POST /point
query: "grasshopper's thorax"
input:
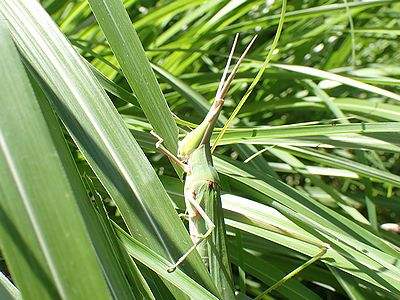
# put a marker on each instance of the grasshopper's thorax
(201, 176)
(202, 186)
(201, 166)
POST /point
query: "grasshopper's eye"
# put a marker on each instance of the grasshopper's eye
(180, 149)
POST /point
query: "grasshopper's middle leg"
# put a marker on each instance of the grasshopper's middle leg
(197, 208)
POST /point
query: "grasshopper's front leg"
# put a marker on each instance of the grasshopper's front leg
(164, 150)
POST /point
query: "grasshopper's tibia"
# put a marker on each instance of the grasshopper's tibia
(201, 238)
(164, 150)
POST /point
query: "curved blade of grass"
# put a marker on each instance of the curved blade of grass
(339, 78)
(41, 220)
(8, 291)
(157, 263)
(124, 41)
(336, 161)
(101, 135)
(256, 79)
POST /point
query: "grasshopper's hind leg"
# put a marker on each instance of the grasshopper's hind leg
(197, 207)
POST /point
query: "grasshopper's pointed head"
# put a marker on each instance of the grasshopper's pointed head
(191, 141)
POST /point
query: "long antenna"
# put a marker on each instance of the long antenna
(222, 92)
(228, 63)
(256, 80)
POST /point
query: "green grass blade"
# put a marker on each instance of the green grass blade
(220, 268)
(320, 218)
(155, 262)
(40, 226)
(255, 265)
(114, 89)
(101, 135)
(349, 284)
(125, 43)
(256, 79)
(136, 280)
(375, 136)
(114, 273)
(334, 160)
(8, 291)
(370, 109)
(339, 78)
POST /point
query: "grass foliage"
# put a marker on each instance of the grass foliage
(89, 209)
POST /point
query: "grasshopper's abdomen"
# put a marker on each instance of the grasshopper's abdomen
(202, 189)
(198, 192)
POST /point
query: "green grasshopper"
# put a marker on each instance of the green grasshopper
(202, 196)
(202, 191)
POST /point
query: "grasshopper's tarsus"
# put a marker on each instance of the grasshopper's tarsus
(184, 216)
(171, 269)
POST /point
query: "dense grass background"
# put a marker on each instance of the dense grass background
(311, 158)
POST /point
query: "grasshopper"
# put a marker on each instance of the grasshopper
(202, 190)
(202, 195)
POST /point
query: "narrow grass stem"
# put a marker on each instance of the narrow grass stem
(256, 80)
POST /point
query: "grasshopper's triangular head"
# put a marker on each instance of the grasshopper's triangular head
(191, 141)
